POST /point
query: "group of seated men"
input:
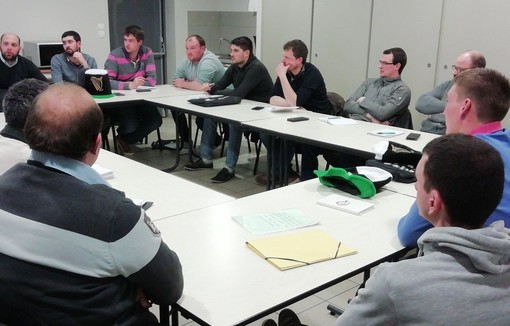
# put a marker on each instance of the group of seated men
(462, 197)
(128, 67)
(383, 100)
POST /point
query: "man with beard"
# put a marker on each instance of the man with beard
(13, 66)
(70, 66)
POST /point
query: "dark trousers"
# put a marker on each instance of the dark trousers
(180, 118)
(309, 161)
(136, 122)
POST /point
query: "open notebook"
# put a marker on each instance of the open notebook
(299, 249)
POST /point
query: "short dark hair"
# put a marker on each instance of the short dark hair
(399, 56)
(244, 43)
(19, 98)
(199, 39)
(74, 34)
(469, 175)
(136, 31)
(62, 129)
(298, 47)
(488, 89)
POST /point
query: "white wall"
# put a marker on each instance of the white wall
(213, 25)
(177, 23)
(36, 20)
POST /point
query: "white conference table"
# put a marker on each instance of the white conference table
(236, 113)
(132, 95)
(402, 188)
(228, 284)
(348, 138)
(170, 194)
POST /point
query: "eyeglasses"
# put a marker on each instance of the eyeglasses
(459, 69)
(385, 63)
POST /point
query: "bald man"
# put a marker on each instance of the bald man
(13, 66)
(92, 256)
(433, 103)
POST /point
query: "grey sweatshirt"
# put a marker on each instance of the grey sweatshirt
(432, 104)
(462, 277)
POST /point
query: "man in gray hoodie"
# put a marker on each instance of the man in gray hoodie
(462, 272)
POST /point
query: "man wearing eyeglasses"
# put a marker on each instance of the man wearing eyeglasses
(384, 100)
(434, 102)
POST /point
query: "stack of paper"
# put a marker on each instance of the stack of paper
(107, 174)
(265, 223)
(338, 121)
(299, 249)
(346, 204)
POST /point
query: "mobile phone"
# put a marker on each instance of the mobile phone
(296, 119)
(147, 205)
(257, 108)
(413, 136)
(143, 90)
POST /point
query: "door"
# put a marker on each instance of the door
(340, 42)
(413, 25)
(149, 15)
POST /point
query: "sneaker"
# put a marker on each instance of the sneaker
(261, 179)
(269, 322)
(293, 177)
(287, 317)
(197, 165)
(173, 145)
(124, 147)
(223, 176)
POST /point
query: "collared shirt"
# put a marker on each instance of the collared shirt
(75, 168)
(487, 128)
(9, 64)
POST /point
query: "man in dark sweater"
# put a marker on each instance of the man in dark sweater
(251, 81)
(301, 84)
(74, 251)
(13, 66)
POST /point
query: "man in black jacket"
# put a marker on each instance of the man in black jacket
(251, 81)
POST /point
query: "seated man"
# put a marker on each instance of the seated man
(477, 102)
(129, 67)
(299, 83)
(199, 67)
(17, 102)
(251, 81)
(460, 181)
(70, 66)
(13, 66)
(385, 99)
(433, 103)
(73, 250)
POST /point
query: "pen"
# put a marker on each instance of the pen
(385, 133)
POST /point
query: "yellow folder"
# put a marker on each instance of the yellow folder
(299, 249)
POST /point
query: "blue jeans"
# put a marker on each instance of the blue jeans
(209, 136)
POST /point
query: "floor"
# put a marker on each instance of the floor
(312, 310)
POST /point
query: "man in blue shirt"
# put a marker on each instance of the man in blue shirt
(477, 102)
